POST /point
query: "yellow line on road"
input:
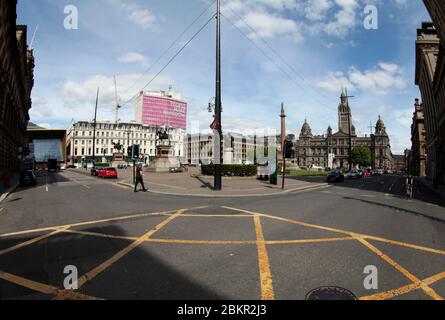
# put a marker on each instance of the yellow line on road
(402, 270)
(405, 289)
(105, 265)
(408, 245)
(352, 234)
(309, 241)
(44, 288)
(101, 235)
(72, 295)
(210, 242)
(294, 222)
(186, 215)
(129, 217)
(267, 292)
(33, 285)
(29, 242)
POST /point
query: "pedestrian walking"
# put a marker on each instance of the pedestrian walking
(409, 186)
(139, 179)
(6, 176)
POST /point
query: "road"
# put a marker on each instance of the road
(150, 246)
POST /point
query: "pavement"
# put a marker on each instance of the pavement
(4, 192)
(155, 246)
(192, 184)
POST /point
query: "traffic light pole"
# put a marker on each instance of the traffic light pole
(218, 142)
(284, 170)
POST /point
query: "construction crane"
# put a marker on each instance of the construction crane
(117, 101)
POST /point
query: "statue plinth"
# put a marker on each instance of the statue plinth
(164, 161)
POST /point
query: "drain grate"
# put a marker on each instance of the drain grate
(330, 293)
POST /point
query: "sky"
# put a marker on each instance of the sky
(299, 52)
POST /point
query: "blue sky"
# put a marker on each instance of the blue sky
(323, 41)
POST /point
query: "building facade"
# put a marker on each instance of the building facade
(45, 144)
(399, 163)
(417, 155)
(238, 149)
(16, 82)
(430, 77)
(331, 150)
(158, 108)
(108, 135)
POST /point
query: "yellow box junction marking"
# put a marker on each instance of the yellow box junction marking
(361, 238)
(44, 288)
(105, 265)
(267, 292)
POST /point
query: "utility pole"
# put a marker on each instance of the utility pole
(94, 128)
(350, 127)
(218, 142)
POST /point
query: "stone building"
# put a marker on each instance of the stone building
(80, 141)
(399, 163)
(417, 156)
(331, 150)
(238, 149)
(430, 77)
(16, 82)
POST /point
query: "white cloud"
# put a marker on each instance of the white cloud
(334, 81)
(378, 81)
(140, 16)
(270, 25)
(134, 57)
(79, 96)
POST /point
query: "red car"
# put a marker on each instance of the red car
(107, 173)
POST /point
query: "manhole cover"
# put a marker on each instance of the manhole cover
(330, 293)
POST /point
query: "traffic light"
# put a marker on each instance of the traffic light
(136, 151)
(129, 152)
(289, 149)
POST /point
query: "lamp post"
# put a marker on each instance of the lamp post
(94, 128)
(217, 123)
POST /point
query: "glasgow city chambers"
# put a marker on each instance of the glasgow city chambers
(331, 150)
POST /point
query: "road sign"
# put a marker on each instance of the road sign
(141, 156)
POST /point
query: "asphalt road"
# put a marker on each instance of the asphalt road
(150, 246)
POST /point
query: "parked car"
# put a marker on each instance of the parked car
(107, 173)
(335, 176)
(27, 178)
(95, 171)
(367, 173)
(354, 174)
(70, 166)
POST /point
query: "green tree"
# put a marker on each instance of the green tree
(361, 156)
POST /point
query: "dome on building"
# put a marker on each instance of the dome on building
(306, 129)
(380, 128)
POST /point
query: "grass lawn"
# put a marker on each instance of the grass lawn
(307, 173)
